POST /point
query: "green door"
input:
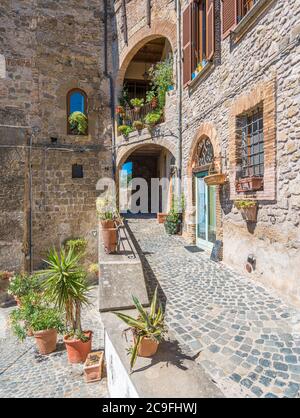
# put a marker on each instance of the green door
(205, 212)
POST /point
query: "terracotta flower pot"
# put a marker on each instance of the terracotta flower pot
(46, 340)
(110, 236)
(93, 367)
(148, 347)
(161, 217)
(17, 301)
(77, 350)
(154, 103)
(137, 109)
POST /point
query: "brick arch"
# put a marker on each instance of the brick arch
(158, 29)
(127, 150)
(206, 130)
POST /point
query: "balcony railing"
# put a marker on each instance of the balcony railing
(132, 115)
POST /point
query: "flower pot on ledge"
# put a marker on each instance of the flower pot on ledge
(249, 184)
(161, 217)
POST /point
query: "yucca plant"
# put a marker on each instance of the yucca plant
(147, 324)
(65, 285)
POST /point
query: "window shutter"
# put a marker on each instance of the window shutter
(210, 28)
(195, 34)
(187, 44)
(229, 16)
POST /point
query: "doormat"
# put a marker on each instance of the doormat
(194, 249)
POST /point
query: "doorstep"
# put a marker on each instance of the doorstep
(169, 374)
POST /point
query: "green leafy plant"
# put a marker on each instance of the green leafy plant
(137, 102)
(34, 315)
(161, 75)
(78, 123)
(147, 324)
(154, 117)
(79, 244)
(241, 204)
(150, 95)
(20, 285)
(125, 130)
(65, 285)
(138, 125)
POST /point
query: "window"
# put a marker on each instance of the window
(252, 144)
(198, 36)
(244, 6)
(233, 12)
(77, 171)
(76, 102)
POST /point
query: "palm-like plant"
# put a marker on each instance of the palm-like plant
(66, 286)
(148, 324)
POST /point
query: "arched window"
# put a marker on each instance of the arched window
(77, 102)
(205, 153)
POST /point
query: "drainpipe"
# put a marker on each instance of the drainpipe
(179, 96)
(112, 88)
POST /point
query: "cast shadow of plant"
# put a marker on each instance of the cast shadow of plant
(169, 353)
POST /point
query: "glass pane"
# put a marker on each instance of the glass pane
(77, 102)
(201, 209)
(212, 223)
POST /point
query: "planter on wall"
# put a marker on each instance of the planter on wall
(215, 179)
(249, 184)
(249, 213)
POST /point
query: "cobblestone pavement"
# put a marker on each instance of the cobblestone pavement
(24, 373)
(245, 336)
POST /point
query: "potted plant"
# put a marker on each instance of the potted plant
(249, 184)
(161, 75)
(125, 130)
(109, 228)
(37, 319)
(153, 118)
(20, 285)
(137, 104)
(148, 329)
(248, 209)
(66, 287)
(151, 98)
(138, 125)
(79, 244)
(161, 217)
(173, 222)
(93, 367)
(78, 123)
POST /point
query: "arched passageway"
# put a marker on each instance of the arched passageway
(146, 179)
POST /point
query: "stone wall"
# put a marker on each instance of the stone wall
(50, 48)
(269, 51)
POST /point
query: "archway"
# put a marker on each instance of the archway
(150, 167)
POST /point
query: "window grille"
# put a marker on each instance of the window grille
(252, 144)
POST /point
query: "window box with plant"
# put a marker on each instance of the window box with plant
(148, 329)
(78, 123)
(248, 209)
(249, 184)
(69, 296)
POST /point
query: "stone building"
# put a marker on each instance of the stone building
(52, 57)
(236, 75)
(233, 111)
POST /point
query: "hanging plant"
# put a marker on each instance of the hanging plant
(78, 123)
